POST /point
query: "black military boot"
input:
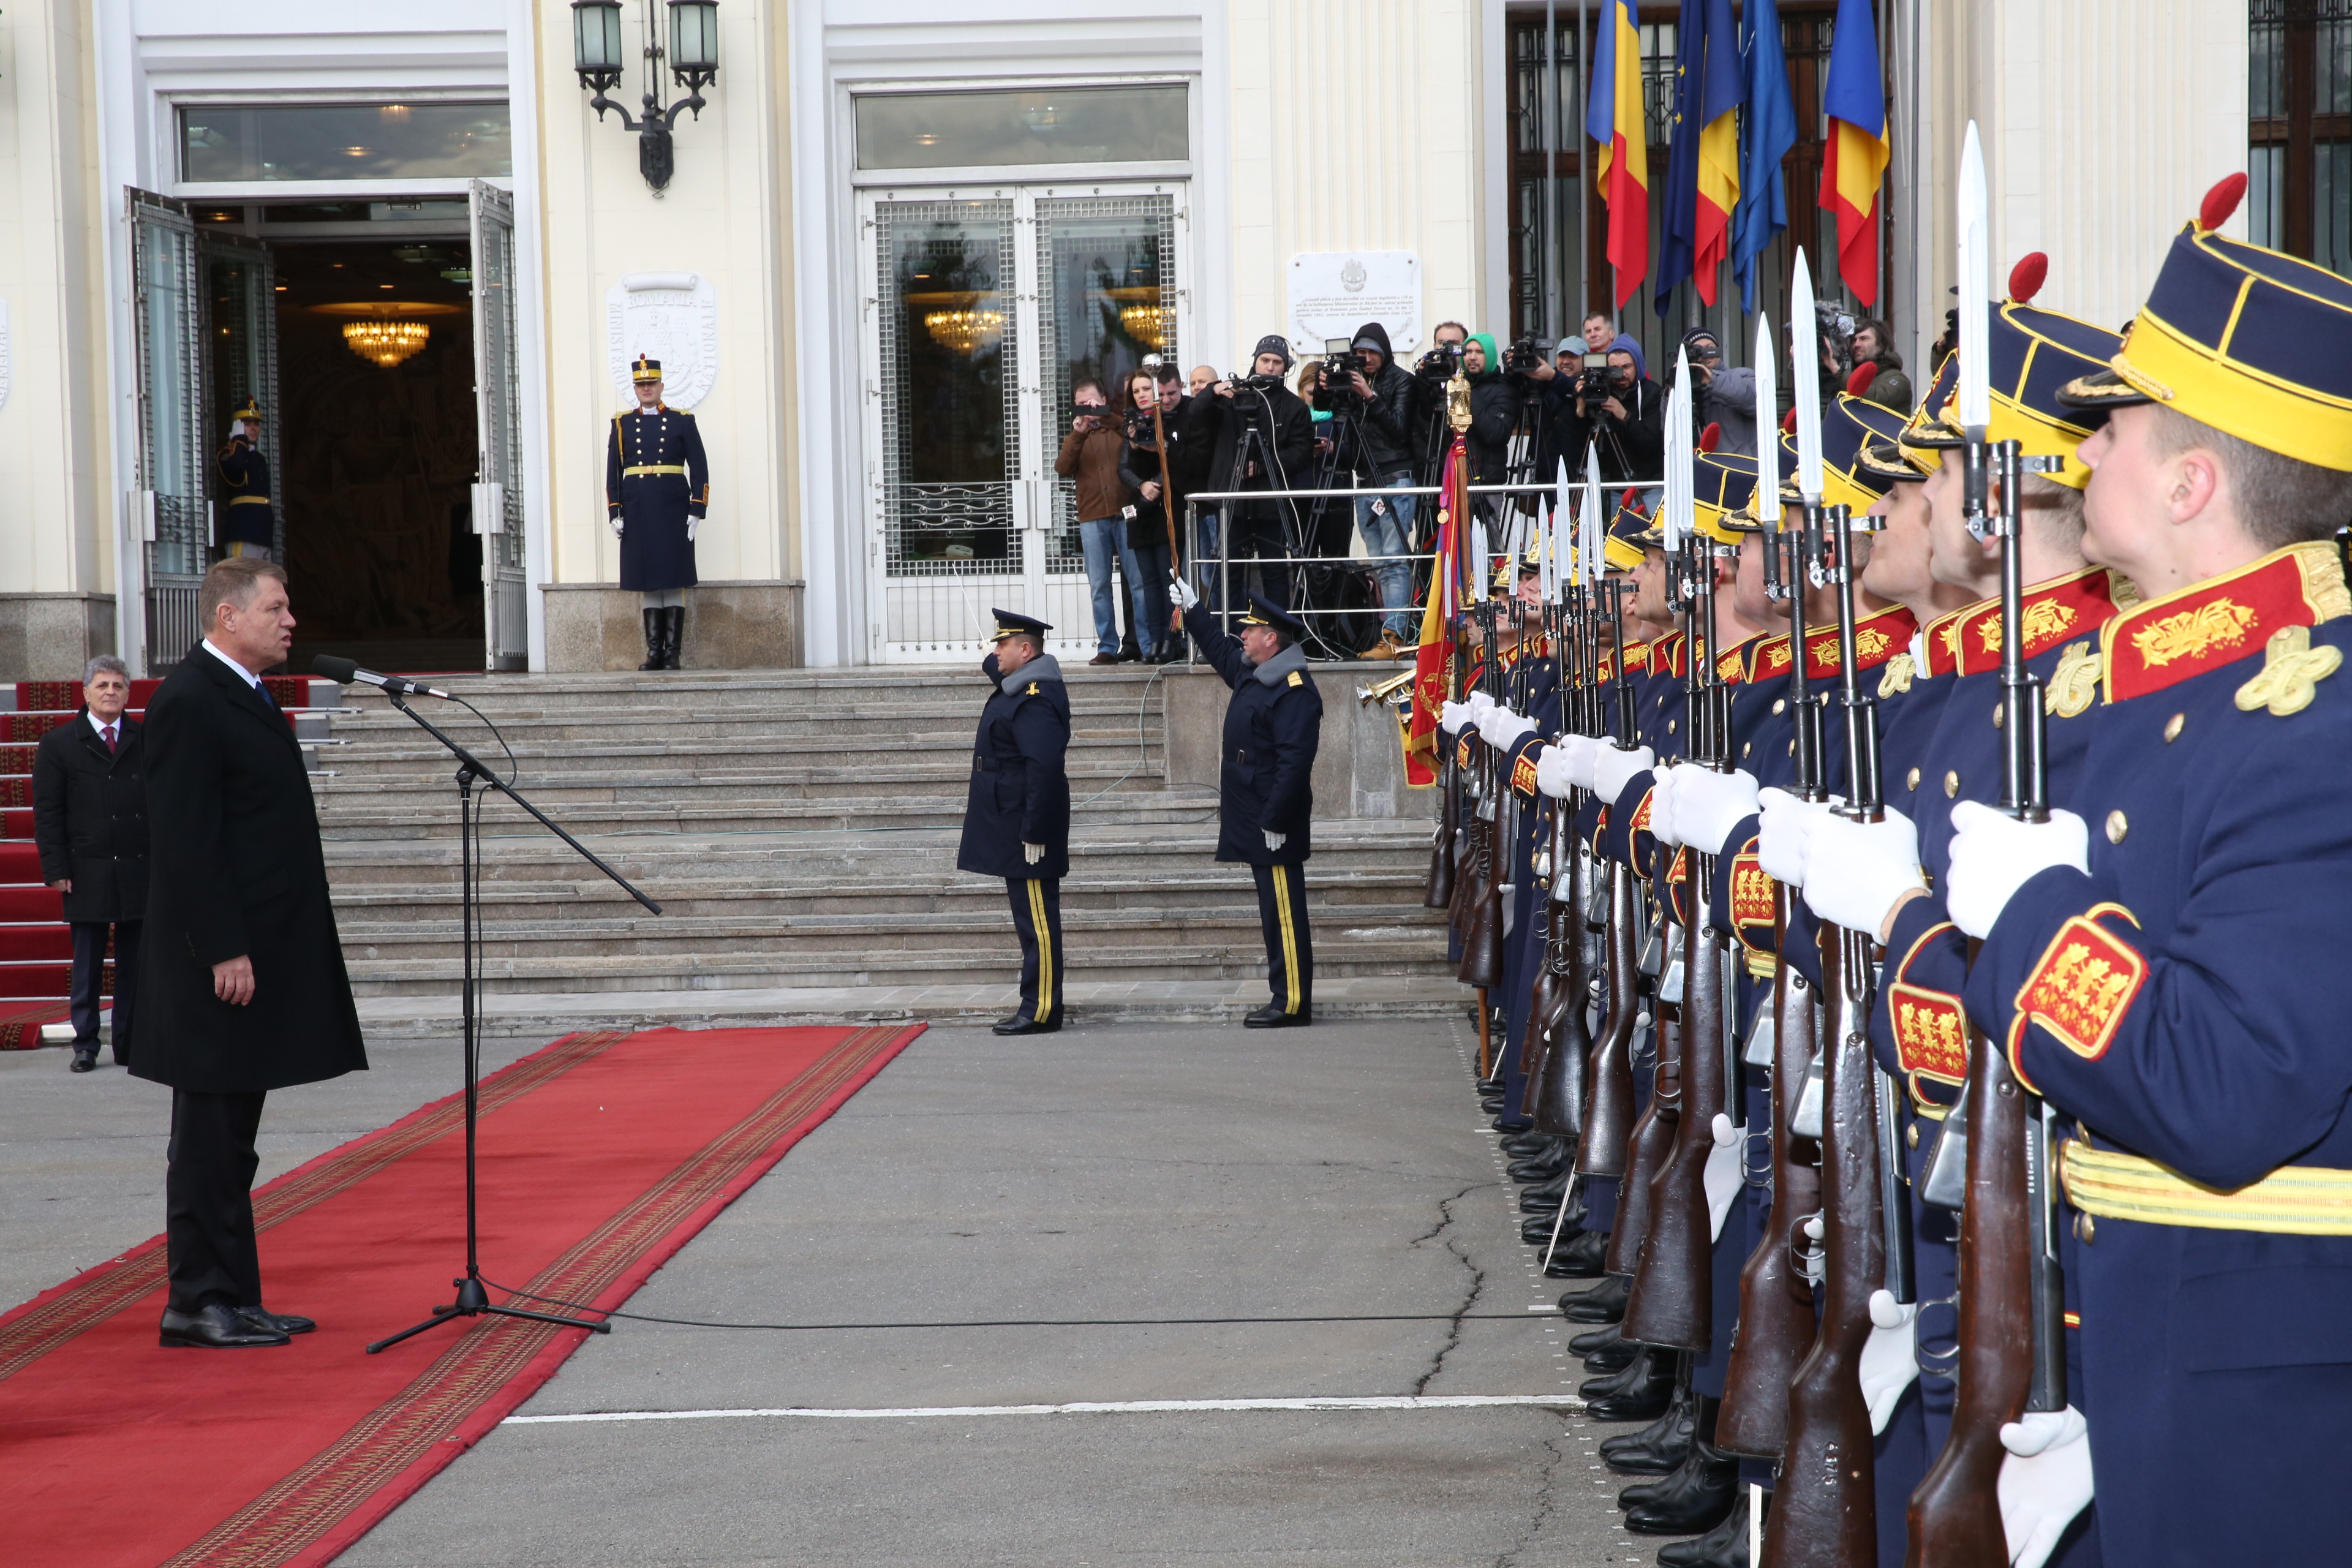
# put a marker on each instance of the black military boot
(1546, 1199)
(1725, 1546)
(1543, 1165)
(653, 623)
(1640, 1393)
(1603, 1304)
(1579, 1257)
(1693, 1501)
(1605, 1351)
(1659, 1449)
(673, 636)
(1527, 1144)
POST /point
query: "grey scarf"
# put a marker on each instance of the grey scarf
(1273, 670)
(1044, 667)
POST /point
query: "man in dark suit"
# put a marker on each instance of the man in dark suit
(89, 823)
(1016, 817)
(244, 989)
(1265, 779)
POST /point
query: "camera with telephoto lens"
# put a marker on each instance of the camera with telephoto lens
(1239, 384)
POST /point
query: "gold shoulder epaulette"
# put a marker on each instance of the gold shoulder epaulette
(1296, 679)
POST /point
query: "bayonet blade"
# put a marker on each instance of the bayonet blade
(1805, 377)
(1767, 504)
(1681, 452)
(1596, 523)
(1976, 289)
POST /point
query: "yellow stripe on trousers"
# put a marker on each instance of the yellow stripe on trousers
(1044, 950)
(1289, 937)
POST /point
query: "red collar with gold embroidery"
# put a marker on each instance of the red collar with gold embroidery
(1769, 657)
(1942, 638)
(2164, 642)
(1669, 654)
(1731, 664)
(1875, 640)
(1637, 657)
(2062, 607)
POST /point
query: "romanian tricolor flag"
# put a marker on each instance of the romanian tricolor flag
(1433, 660)
(1613, 117)
(1722, 90)
(1854, 162)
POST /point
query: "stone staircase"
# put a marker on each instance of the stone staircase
(799, 829)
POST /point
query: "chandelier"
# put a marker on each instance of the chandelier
(1147, 324)
(965, 332)
(384, 341)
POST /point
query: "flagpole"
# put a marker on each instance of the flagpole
(1584, 166)
(1551, 171)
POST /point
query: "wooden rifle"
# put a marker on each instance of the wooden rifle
(1482, 925)
(1556, 1013)
(1609, 1112)
(1439, 892)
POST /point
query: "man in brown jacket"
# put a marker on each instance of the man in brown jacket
(1090, 455)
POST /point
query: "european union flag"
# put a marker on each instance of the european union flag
(1767, 132)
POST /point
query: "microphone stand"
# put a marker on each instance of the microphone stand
(473, 1299)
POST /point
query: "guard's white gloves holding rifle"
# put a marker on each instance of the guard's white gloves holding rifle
(1566, 765)
(1780, 838)
(1856, 872)
(1890, 1357)
(1722, 1178)
(1993, 855)
(1452, 716)
(1480, 705)
(1709, 805)
(1613, 769)
(1502, 728)
(2045, 1481)
(1033, 853)
(1181, 594)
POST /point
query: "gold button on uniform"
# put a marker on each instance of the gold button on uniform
(2117, 827)
(1670, 726)
(1911, 1135)
(1951, 786)
(1779, 705)
(1748, 748)
(1911, 780)
(2086, 1229)
(1998, 709)
(2172, 727)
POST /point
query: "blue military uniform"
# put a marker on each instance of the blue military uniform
(1264, 780)
(1016, 820)
(248, 518)
(657, 488)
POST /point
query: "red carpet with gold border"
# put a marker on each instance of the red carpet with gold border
(600, 1155)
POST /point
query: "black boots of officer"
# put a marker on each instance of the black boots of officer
(665, 636)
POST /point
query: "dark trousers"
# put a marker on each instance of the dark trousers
(88, 971)
(209, 1199)
(1289, 952)
(1037, 915)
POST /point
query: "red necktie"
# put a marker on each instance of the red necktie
(109, 733)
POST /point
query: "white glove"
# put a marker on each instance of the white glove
(1613, 770)
(1663, 826)
(1502, 728)
(1480, 705)
(1033, 853)
(1274, 840)
(691, 524)
(2045, 1481)
(1722, 1178)
(1709, 805)
(1855, 871)
(1452, 716)
(1788, 824)
(1993, 854)
(615, 520)
(1890, 1357)
(1181, 594)
(1575, 752)
(1551, 771)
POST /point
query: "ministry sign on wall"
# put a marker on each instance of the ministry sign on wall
(672, 317)
(1333, 292)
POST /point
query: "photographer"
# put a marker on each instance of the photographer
(1495, 399)
(1721, 397)
(1148, 514)
(1873, 344)
(1090, 455)
(1384, 395)
(1430, 433)
(1617, 412)
(1261, 437)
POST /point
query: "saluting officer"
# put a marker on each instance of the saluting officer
(1016, 818)
(657, 489)
(1265, 779)
(248, 524)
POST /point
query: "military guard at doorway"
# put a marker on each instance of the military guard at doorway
(657, 489)
(248, 524)
(1016, 818)
(1265, 779)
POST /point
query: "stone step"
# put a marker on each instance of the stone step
(960, 689)
(843, 812)
(563, 793)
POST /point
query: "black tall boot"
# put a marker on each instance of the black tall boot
(1603, 1304)
(1659, 1449)
(1640, 1393)
(1666, 1458)
(653, 623)
(1579, 1257)
(1546, 1198)
(1697, 1497)
(673, 636)
(1725, 1546)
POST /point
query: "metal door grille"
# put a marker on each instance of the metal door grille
(165, 300)
(499, 416)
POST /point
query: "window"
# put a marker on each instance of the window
(1028, 125)
(2299, 129)
(248, 141)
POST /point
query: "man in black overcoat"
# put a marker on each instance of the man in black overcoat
(1266, 784)
(1016, 817)
(242, 989)
(1261, 437)
(656, 491)
(89, 823)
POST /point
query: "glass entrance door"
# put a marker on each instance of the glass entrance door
(171, 516)
(496, 495)
(985, 315)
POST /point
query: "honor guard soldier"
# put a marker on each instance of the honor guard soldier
(1264, 778)
(657, 489)
(249, 521)
(1016, 818)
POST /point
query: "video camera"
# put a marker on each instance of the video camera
(1523, 357)
(1597, 379)
(1440, 363)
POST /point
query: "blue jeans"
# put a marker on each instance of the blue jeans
(1101, 536)
(1386, 523)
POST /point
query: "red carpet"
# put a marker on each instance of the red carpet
(600, 1156)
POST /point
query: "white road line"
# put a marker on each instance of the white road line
(1103, 1407)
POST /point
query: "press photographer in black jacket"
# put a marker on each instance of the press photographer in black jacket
(1378, 401)
(1281, 456)
(1621, 417)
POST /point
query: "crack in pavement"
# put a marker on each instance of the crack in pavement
(1470, 1299)
(1554, 1455)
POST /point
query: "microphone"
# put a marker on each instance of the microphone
(342, 672)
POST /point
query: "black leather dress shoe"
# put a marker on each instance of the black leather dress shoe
(1694, 1499)
(1273, 1017)
(1604, 1303)
(1527, 1144)
(277, 1323)
(1019, 1026)
(1593, 1339)
(1545, 1199)
(1615, 1356)
(215, 1326)
(1579, 1257)
(1538, 1169)
(1659, 1449)
(1640, 1393)
(83, 1060)
(1725, 1546)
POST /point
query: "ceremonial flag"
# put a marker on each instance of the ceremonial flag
(1433, 660)
(1703, 162)
(1854, 162)
(1768, 131)
(1614, 117)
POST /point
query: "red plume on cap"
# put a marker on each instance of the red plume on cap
(1631, 498)
(2025, 278)
(1790, 424)
(1858, 384)
(1710, 438)
(2220, 201)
